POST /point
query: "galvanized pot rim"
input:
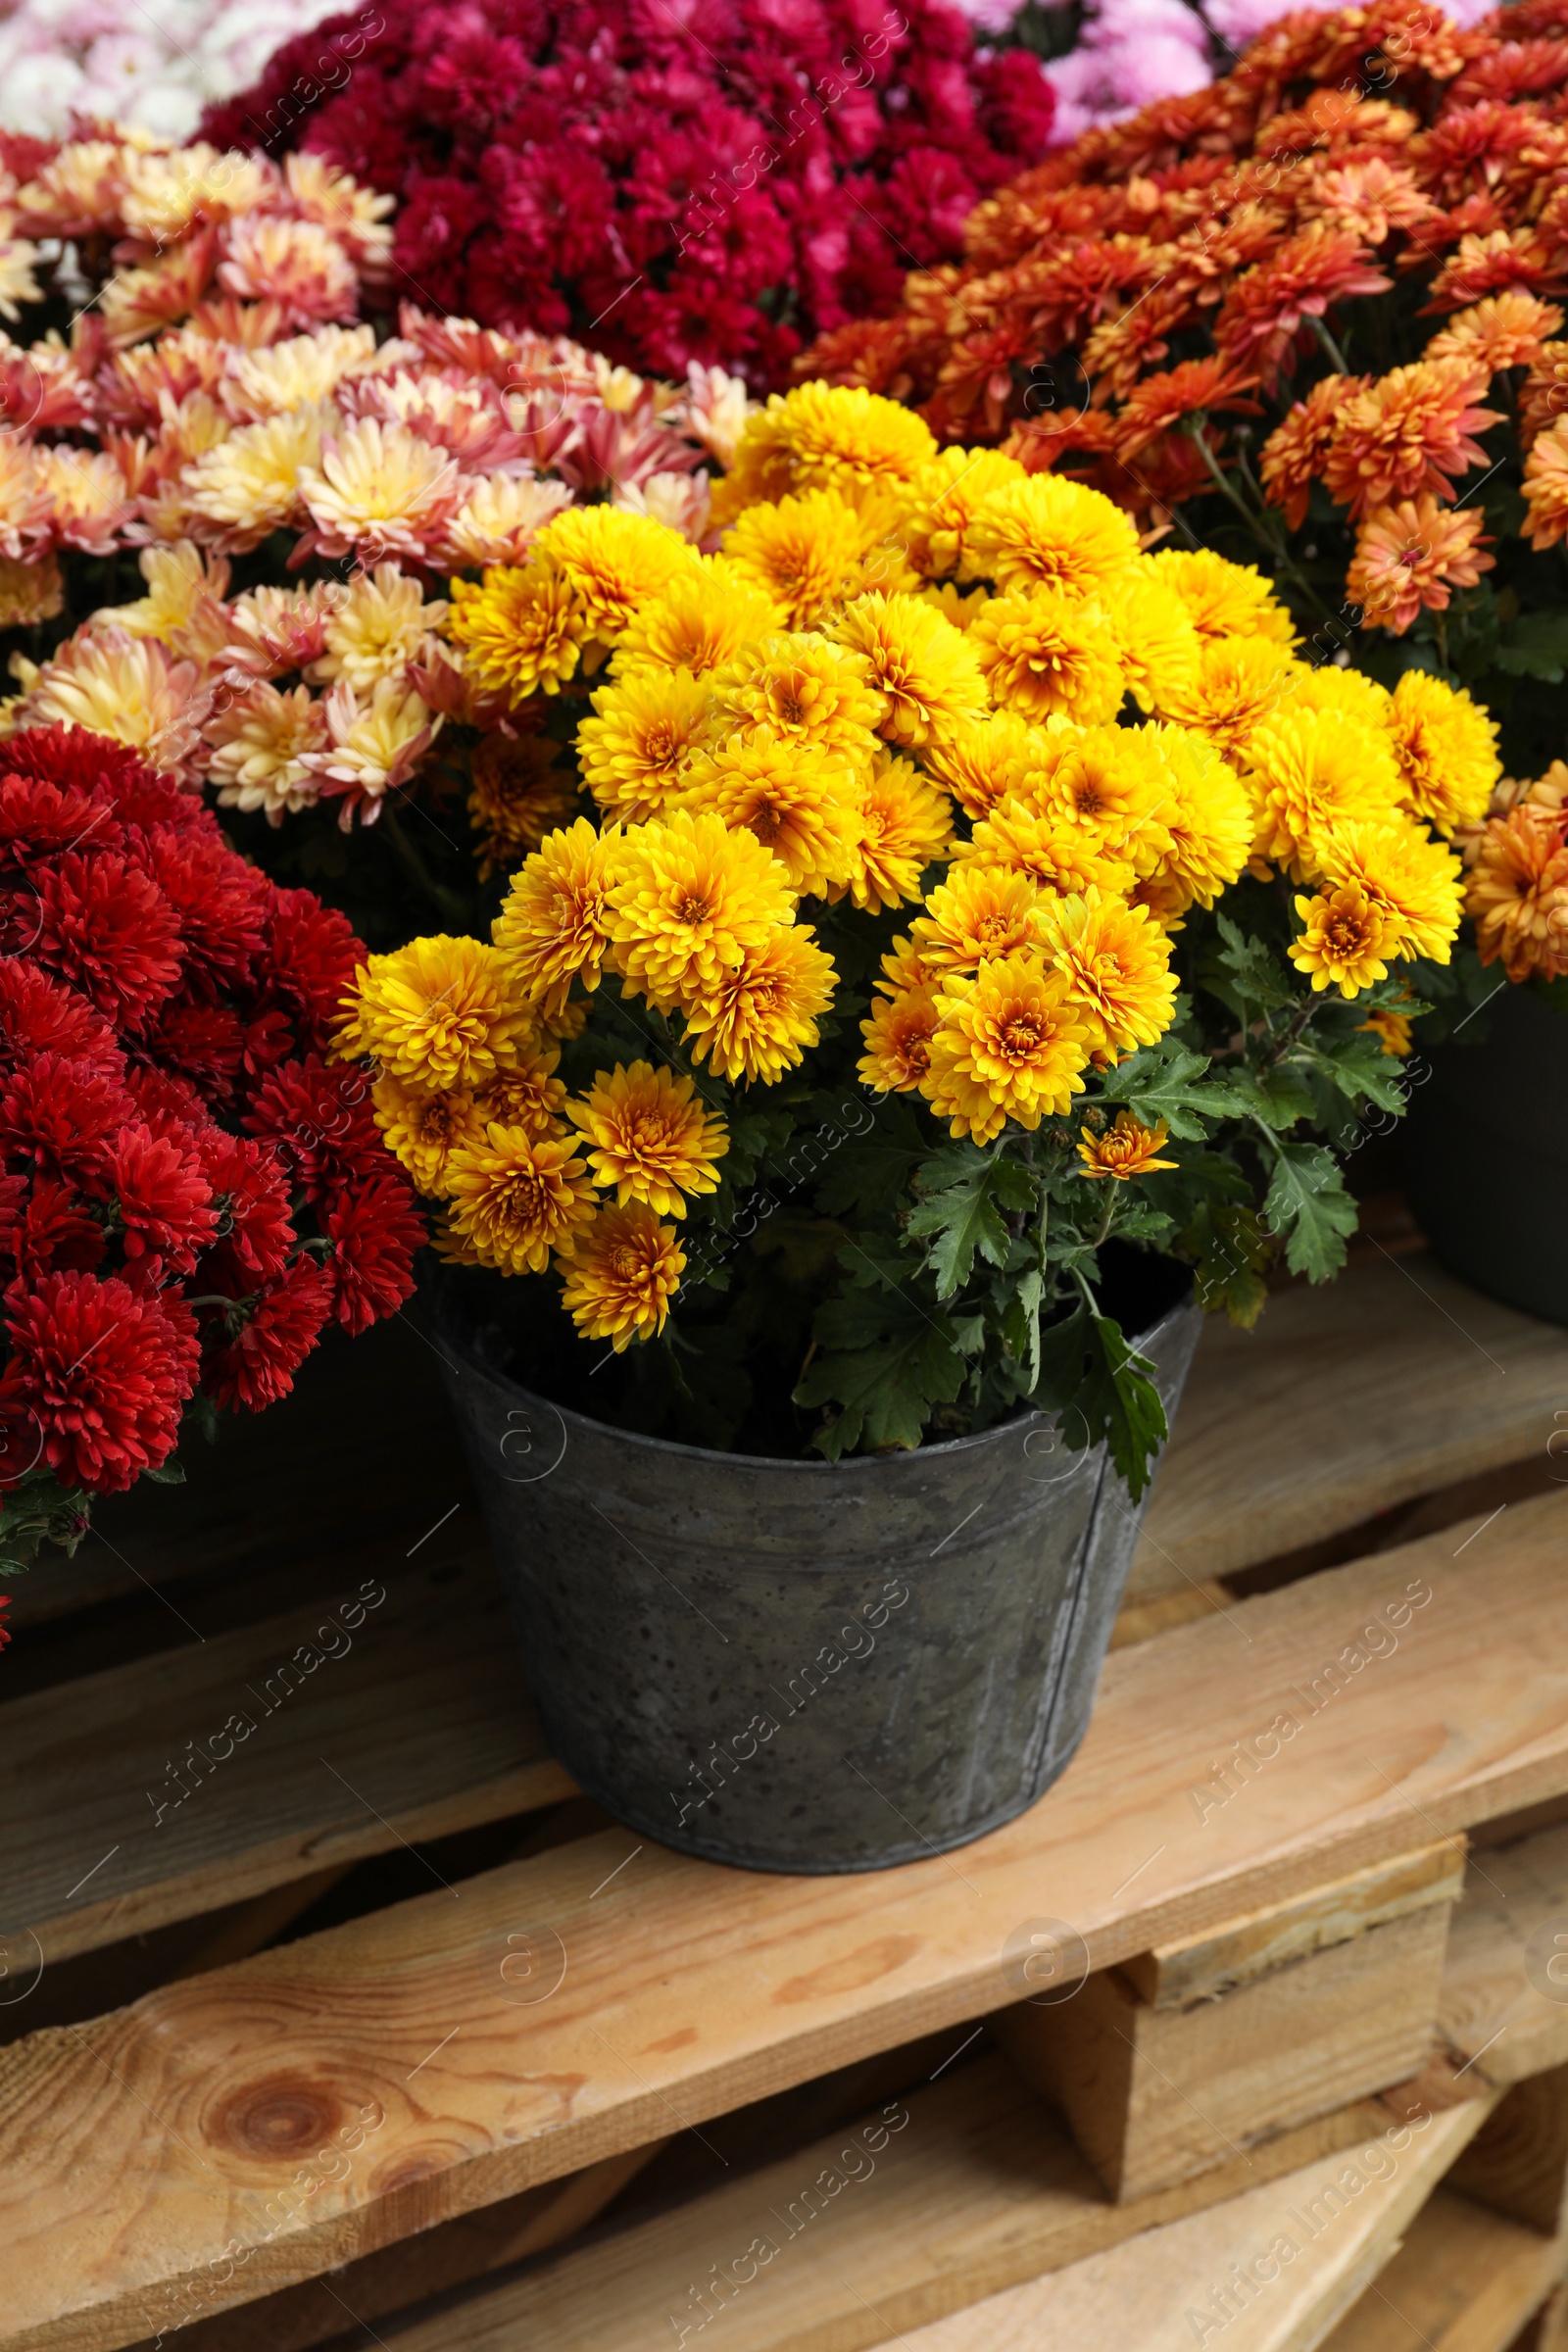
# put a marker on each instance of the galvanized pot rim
(865, 1463)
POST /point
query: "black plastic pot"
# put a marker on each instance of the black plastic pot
(1486, 1155)
(800, 1665)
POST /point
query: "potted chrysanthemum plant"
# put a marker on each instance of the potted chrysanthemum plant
(977, 934)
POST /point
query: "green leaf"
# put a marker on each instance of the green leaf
(1535, 646)
(1244, 975)
(1158, 1084)
(1358, 1066)
(885, 1360)
(870, 1175)
(1308, 1204)
(1280, 1097)
(966, 1218)
(1020, 1322)
(1231, 1253)
(1121, 1403)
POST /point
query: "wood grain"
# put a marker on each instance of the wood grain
(371, 1721)
(1347, 1398)
(1463, 2281)
(928, 2205)
(1499, 2011)
(1518, 2164)
(142, 2148)
(1175, 2287)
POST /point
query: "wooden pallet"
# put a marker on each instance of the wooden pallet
(261, 2140)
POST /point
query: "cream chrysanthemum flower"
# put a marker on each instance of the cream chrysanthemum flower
(1044, 654)
(377, 630)
(622, 1272)
(690, 897)
(760, 1019)
(501, 518)
(296, 264)
(1010, 1045)
(555, 925)
(516, 1197)
(372, 746)
(1115, 959)
(19, 285)
(86, 494)
(379, 489)
(258, 748)
(250, 485)
(919, 663)
(129, 688)
(358, 217)
(167, 193)
(1047, 531)
(800, 803)
(29, 592)
(636, 750)
(24, 501)
(652, 1137)
(302, 371)
(440, 1013)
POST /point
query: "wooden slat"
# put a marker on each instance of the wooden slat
(923, 2208)
(1464, 2280)
(1390, 1383)
(139, 2149)
(413, 1722)
(1499, 2011)
(1177, 2287)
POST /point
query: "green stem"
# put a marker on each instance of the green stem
(1276, 550)
(1336, 355)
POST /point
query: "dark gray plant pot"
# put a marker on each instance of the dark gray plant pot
(1486, 1156)
(800, 1665)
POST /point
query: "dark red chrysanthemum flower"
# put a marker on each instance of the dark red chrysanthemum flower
(39, 1015)
(250, 1193)
(105, 927)
(105, 1373)
(166, 1104)
(37, 819)
(44, 1224)
(375, 1229)
(257, 1364)
(162, 1197)
(222, 904)
(307, 963)
(205, 1041)
(61, 1116)
(318, 1117)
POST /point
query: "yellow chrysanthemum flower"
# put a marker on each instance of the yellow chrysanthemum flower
(1054, 853)
(801, 804)
(1159, 645)
(1446, 748)
(526, 1095)
(636, 750)
(1115, 961)
(905, 826)
(613, 562)
(1208, 813)
(702, 619)
(984, 761)
(1223, 599)
(690, 897)
(937, 512)
(980, 913)
(1329, 686)
(1046, 530)
(919, 662)
(515, 1197)
(1344, 938)
(812, 554)
(1239, 683)
(1312, 770)
(439, 1013)
(1391, 1031)
(522, 631)
(803, 688)
(897, 1039)
(1126, 1149)
(1112, 783)
(821, 437)
(1044, 654)
(518, 796)
(961, 605)
(623, 1270)
(1417, 881)
(761, 1021)
(553, 927)
(423, 1129)
(652, 1137)
(1010, 1045)
(901, 969)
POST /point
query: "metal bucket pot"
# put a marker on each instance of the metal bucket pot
(1486, 1156)
(800, 1665)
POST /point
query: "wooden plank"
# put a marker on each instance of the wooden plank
(141, 2148)
(1464, 2280)
(922, 2208)
(1270, 2271)
(1345, 1398)
(1206, 1966)
(1518, 2164)
(1500, 2011)
(1547, 2331)
(1155, 2095)
(392, 1712)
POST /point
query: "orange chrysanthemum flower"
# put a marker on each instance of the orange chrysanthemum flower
(1546, 485)
(1518, 893)
(1267, 307)
(1125, 1149)
(1411, 431)
(515, 1197)
(623, 1271)
(1346, 938)
(1191, 389)
(651, 1137)
(1504, 332)
(1295, 452)
(1010, 1045)
(1413, 555)
(898, 1040)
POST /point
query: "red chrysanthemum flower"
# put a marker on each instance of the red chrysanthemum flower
(105, 1372)
(166, 1104)
(317, 1118)
(221, 903)
(60, 1115)
(309, 959)
(250, 1194)
(105, 928)
(38, 1015)
(203, 1041)
(162, 1196)
(255, 1364)
(45, 1225)
(37, 819)
(375, 1229)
